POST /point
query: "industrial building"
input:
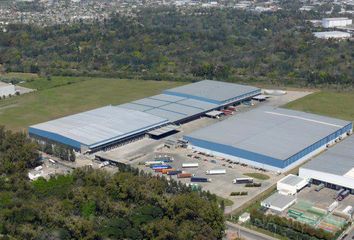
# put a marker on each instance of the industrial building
(278, 202)
(269, 138)
(6, 89)
(336, 22)
(332, 35)
(155, 116)
(291, 184)
(334, 168)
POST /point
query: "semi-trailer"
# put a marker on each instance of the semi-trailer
(184, 175)
(190, 165)
(200, 179)
(150, 163)
(339, 192)
(242, 180)
(216, 171)
(174, 172)
(167, 170)
(160, 167)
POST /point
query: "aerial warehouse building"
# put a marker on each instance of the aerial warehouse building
(334, 168)
(270, 138)
(156, 116)
(97, 128)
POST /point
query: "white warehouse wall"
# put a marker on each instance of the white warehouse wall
(346, 182)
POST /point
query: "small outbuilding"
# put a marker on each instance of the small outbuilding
(291, 184)
(278, 202)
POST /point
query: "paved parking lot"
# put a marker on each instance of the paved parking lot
(324, 198)
(220, 185)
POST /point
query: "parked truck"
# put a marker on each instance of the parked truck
(319, 187)
(200, 179)
(339, 192)
(216, 171)
(190, 165)
(343, 195)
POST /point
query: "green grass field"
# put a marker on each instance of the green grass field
(329, 103)
(63, 96)
(259, 176)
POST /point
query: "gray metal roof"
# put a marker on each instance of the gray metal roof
(338, 160)
(101, 124)
(151, 102)
(292, 180)
(274, 132)
(136, 107)
(172, 116)
(167, 98)
(212, 90)
(173, 108)
(278, 200)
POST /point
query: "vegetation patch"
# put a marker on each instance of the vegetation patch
(238, 193)
(328, 103)
(259, 176)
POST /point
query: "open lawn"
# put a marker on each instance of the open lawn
(259, 176)
(57, 98)
(329, 103)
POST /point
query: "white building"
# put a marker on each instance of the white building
(291, 184)
(6, 89)
(332, 35)
(278, 202)
(336, 22)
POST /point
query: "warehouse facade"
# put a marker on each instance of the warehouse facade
(334, 168)
(268, 138)
(111, 125)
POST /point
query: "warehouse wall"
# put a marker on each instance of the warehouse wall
(242, 155)
(327, 177)
(33, 132)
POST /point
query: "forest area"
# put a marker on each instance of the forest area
(92, 204)
(170, 44)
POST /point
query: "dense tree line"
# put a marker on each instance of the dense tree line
(92, 204)
(166, 43)
(289, 228)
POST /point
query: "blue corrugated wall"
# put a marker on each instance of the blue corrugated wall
(55, 137)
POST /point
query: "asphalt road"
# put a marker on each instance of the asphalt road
(247, 233)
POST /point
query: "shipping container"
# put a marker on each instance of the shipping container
(216, 171)
(190, 165)
(242, 180)
(200, 179)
